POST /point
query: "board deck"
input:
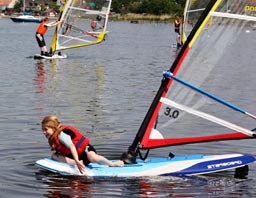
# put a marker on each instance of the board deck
(176, 166)
(55, 56)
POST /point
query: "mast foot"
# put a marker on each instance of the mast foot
(129, 157)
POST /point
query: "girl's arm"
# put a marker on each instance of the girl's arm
(54, 23)
(66, 140)
(79, 164)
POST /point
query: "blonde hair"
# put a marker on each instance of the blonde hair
(54, 123)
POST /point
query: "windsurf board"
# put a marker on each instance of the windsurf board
(55, 56)
(177, 166)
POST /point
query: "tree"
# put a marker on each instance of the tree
(17, 6)
(157, 7)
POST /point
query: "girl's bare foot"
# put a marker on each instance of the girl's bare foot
(118, 163)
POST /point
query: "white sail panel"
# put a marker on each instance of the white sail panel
(192, 11)
(219, 61)
(84, 24)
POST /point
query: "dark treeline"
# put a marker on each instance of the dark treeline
(156, 7)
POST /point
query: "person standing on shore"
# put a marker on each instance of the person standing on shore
(41, 30)
(177, 22)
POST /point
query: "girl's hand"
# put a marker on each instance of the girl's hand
(80, 166)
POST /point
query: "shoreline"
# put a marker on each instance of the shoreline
(142, 17)
(133, 18)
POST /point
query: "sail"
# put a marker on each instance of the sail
(206, 95)
(84, 24)
(192, 11)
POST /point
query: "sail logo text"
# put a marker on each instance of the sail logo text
(224, 164)
(171, 113)
(250, 8)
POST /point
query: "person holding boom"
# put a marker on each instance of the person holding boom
(41, 30)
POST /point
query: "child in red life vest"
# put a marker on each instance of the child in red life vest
(41, 30)
(71, 146)
(177, 23)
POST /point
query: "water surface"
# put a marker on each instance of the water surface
(105, 92)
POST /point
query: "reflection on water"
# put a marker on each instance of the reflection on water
(61, 186)
(52, 85)
(40, 78)
(40, 83)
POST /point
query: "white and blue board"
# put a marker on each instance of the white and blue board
(55, 56)
(176, 166)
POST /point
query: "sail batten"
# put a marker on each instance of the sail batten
(220, 100)
(87, 11)
(208, 117)
(233, 16)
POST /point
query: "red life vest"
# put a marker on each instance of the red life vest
(177, 25)
(93, 24)
(77, 138)
(42, 28)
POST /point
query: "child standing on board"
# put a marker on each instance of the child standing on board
(71, 146)
(41, 30)
(177, 22)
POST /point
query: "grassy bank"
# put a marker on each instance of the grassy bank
(138, 18)
(142, 18)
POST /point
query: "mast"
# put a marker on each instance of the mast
(24, 6)
(183, 36)
(53, 45)
(133, 150)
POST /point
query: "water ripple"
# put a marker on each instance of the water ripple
(105, 92)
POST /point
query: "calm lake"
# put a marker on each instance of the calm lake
(105, 92)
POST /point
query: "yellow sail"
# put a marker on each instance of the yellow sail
(84, 24)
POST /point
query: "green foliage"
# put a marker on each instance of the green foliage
(156, 7)
(17, 6)
(54, 6)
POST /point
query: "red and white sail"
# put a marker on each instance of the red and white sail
(217, 67)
